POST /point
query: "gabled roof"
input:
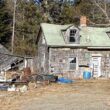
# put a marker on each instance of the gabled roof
(90, 36)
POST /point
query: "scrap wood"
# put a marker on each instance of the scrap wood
(16, 83)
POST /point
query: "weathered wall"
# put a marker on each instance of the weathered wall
(58, 61)
(42, 58)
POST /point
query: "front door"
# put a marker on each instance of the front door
(96, 65)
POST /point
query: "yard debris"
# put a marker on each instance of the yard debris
(12, 88)
(24, 88)
(4, 87)
(27, 71)
(64, 80)
(18, 81)
(26, 74)
(43, 79)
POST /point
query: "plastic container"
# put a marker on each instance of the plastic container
(86, 75)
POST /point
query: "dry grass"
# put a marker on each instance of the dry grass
(80, 95)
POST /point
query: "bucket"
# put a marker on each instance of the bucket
(86, 75)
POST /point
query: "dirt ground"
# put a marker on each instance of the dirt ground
(80, 95)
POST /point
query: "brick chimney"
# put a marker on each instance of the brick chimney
(83, 21)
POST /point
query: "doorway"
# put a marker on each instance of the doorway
(96, 65)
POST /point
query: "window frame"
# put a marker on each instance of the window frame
(72, 34)
(108, 34)
(76, 64)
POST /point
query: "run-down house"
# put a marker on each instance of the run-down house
(71, 50)
(8, 61)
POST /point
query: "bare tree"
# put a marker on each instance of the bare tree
(104, 7)
(13, 32)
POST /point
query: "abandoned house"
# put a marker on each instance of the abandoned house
(8, 61)
(70, 50)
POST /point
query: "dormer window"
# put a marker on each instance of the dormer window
(72, 35)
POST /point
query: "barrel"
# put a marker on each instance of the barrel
(86, 75)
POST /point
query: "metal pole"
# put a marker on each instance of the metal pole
(13, 31)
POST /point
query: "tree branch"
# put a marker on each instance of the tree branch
(104, 10)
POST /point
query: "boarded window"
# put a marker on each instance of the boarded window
(72, 63)
(72, 35)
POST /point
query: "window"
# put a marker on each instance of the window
(72, 35)
(108, 33)
(72, 32)
(72, 63)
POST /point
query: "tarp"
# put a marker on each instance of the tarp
(64, 80)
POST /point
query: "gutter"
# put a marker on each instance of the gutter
(66, 46)
(104, 47)
(79, 46)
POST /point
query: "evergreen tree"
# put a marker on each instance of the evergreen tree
(30, 13)
(28, 18)
(5, 20)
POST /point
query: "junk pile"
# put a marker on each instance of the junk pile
(20, 82)
(26, 74)
(23, 88)
(15, 81)
(3, 87)
(43, 79)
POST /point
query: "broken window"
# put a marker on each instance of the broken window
(72, 35)
(72, 63)
(108, 33)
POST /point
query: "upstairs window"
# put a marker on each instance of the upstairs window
(72, 35)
